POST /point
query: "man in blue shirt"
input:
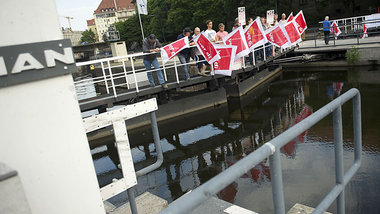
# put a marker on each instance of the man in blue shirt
(326, 29)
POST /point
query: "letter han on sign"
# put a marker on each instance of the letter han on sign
(35, 61)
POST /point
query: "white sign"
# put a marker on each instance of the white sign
(241, 15)
(270, 16)
(142, 6)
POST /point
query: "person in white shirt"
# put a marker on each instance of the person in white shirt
(210, 33)
(283, 19)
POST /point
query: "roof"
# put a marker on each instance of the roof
(109, 4)
(90, 22)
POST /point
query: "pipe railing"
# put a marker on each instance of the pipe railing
(356, 34)
(128, 77)
(271, 150)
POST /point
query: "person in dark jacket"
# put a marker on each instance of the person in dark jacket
(326, 29)
(152, 45)
(185, 54)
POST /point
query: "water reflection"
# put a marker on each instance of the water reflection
(197, 149)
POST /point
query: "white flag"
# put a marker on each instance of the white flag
(142, 6)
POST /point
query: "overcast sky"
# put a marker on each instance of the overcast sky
(81, 11)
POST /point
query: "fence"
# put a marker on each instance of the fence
(355, 30)
(131, 78)
(272, 148)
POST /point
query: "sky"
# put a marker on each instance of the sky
(80, 10)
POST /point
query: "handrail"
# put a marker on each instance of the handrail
(108, 78)
(272, 148)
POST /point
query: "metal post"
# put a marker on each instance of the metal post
(105, 78)
(265, 55)
(132, 200)
(357, 127)
(176, 71)
(125, 74)
(163, 67)
(134, 75)
(339, 167)
(334, 39)
(277, 186)
(253, 57)
(315, 39)
(111, 76)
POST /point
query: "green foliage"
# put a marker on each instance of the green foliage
(167, 18)
(352, 55)
(88, 36)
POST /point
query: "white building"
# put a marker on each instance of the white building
(111, 11)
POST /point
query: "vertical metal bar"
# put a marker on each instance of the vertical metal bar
(176, 71)
(334, 39)
(163, 67)
(315, 39)
(105, 78)
(339, 167)
(156, 134)
(277, 186)
(125, 74)
(265, 55)
(134, 75)
(243, 61)
(111, 76)
(357, 127)
(253, 57)
(212, 72)
(132, 200)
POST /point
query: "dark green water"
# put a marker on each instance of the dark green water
(201, 145)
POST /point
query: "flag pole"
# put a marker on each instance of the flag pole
(142, 31)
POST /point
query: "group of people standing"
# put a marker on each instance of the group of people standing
(152, 45)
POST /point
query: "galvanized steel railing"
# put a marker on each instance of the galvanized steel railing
(271, 150)
(109, 78)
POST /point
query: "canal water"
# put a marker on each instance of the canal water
(201, 145)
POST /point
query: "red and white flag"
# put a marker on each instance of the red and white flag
(255, 35)
(237, 39)
(300, 22)
(294, 35)
(335, 29)
(224, 65)
(290, 17)
(365, 34)
(206, 48)
(171, 50)
(278, 36)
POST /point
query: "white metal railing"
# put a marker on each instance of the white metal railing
(350, 23)
(131, 76)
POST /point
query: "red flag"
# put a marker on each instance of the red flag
(365, 34)
(206, 48)
(290, 17)
(335, 29)
(255, 35)
(300, 22)
(278, 36)
(237, 39)
(224, 64)
(294, 35)
(172, 49)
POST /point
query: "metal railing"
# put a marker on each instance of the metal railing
(271, 150)
(131, 78)
(117, 119)
(356, 33)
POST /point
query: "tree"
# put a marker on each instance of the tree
(88, 36)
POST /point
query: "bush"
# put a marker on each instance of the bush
(352, 55)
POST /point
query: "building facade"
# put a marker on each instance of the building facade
(109, 12)
(74, 36)
(92, 26)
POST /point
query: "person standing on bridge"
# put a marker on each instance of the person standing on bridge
(185, 54)
(326, 29)
(152, 45)
(210, 33)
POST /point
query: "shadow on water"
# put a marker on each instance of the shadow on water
(199, 146)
